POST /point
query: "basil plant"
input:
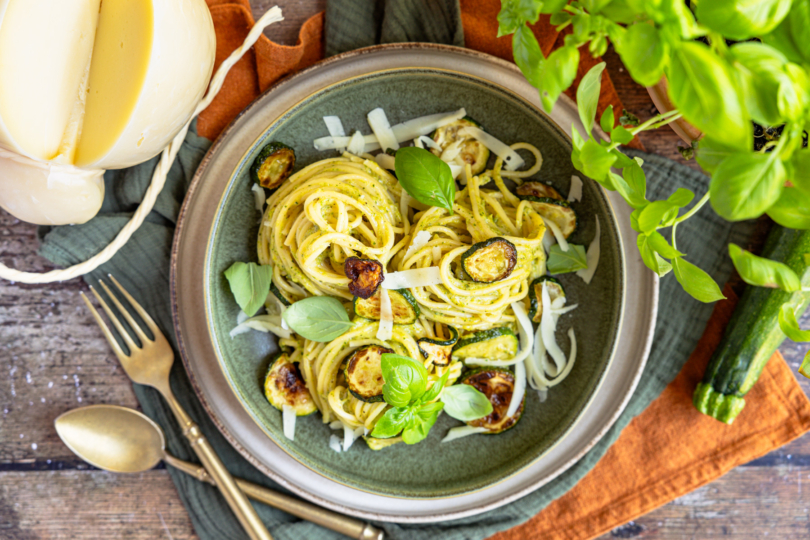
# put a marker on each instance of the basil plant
(729, 64)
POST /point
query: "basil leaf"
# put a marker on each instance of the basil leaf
(516, 12)
(423, 419)
(710, 153)
(696, 282)
(621, 135)
(636, 180)
(608, 120)
(392, 422)
(702, 89)
(405, 379)
(425, 177)
(653, 213)
(435, 388)
(792, 209)
(588, 95)
(799, 20)
(552, 6)
(429, 411)
(318, 318)
(527, 55)
(682, 197)
(562, 262)
(804, 369)
(595, 160)
(746, 184)
(763, 272)
(790, 326)
(651, 259)
(781, 39)
(759, 70)
(464, 402)
(627, 191)
(801, 171)
(644, 52)
(661, 246)
(559, 71)
(742, 19)
(250, 285)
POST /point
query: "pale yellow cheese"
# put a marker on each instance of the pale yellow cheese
(45, 47)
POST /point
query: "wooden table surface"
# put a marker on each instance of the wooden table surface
(53, 358)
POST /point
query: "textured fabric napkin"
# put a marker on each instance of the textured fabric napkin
(663, 447)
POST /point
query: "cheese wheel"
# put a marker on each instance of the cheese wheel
(48, 193)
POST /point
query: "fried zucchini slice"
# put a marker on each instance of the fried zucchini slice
(273, 165)
(283, 385)
(403, 306)
(498, 384)
(539, 190)
(558, 211)
(495, 344)
(280, 295)
(555, 290)
(438, 350)
(490, 260)
(366, 276)
(472, 151)
(363, 373)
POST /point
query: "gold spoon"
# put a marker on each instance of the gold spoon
(119, 439)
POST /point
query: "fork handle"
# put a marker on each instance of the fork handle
(234, 496)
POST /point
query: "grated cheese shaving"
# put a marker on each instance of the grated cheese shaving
(456, 170)
(288, 420)
(356, 144)
(462, 431)
(519, 390)
(424, 140)
(558, 235)
(511, 159)
(262, 323)
(418, 242)
(592, 256)
(334, 125)
(334, 443)
(386, 162)
(382, 129)
(548, 324)
(415, 277)
(386, 316)
(259, 197)
(575, 193)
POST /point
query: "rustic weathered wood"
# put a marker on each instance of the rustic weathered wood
(53, 358)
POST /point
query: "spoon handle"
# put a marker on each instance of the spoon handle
(331, 520)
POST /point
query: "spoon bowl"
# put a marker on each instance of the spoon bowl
(112, 438)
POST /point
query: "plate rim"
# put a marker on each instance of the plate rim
(382, 516)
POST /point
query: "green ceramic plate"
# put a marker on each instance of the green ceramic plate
(219, 226)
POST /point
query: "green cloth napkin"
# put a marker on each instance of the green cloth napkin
(142, 266)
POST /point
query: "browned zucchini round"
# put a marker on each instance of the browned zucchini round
(273, 165)
(472, 151)
(363, 373)
(490, 260)
(539, 190)
(438, 351)
(283, 385)
(497, 384)
(555, 290)
(366, 276)
(403, 306)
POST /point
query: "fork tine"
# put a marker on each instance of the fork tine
(105, 329)
(124, 334)
(142, 312)
(125, 313)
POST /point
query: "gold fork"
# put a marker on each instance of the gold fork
(150, 364)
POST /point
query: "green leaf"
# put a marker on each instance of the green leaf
(425, 177)
(644, 53)
(250, 285)
(423, 419)
(559, 71)
(742, 19)
(552, 6)
(392, 422)
(804, 369)
(636, 179)
(588, 95)
(682, 197)
(661, 246)
(763, 272)
(620, 11)
(651, 259)
(791, 209)
(653, 213)
(515, 13)
(759, 71)
(563, 262)
(464, 402)
(560, 18)
(595, 160)
(801, 171)
(595, 6)
(628, 119)
(405, 379)
(781, 38)
(628, 191)
(607, 121)
(435, 388)
(701, 88)
(710, 153)
(621, 135)
(745, 185)
(528, 56)
(790, 326)
(696, 282)
(318, 318)
(799, 20)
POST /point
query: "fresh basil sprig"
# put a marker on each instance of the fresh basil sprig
(250, 284)
(790, 326)
(763, 272)
(425, 177)
(317, 318)
(413, 409)
(563, 262)
(464, 402)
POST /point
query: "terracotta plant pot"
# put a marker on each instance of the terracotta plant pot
(660, 98)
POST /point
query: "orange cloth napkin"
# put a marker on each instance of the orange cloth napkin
(668, 450)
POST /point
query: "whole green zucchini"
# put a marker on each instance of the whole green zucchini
(753, 334)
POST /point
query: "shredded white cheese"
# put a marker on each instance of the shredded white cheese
(382, 129)
(262, 323)
(575, 193)
(259, 197)
(288, 420)
(337, 424)
(511, 159)
(462, 431)
(386, 316)
(386, 162)
(423, 125)
(356, 144)
(519, 390)
(548, 240)
(415, 277)
(548, 324)
(592, 256)
(452, 151)
(334, 443)
(455, 170)
(350, 435)
(334, 125)
(426, 141)
(419, 241)
(558, 235)
(340, 143)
